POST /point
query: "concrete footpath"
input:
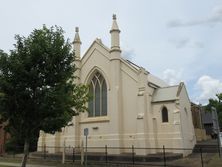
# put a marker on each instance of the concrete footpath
(12, 164)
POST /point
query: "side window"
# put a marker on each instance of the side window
(164, 113)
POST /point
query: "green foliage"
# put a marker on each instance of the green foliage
(37, 84)
(16, 145)
(217, 103)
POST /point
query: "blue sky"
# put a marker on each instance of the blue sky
(176, 40)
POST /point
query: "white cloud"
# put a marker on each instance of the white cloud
(214, 18)
(172, 77)
(186, 42)
(209, 87)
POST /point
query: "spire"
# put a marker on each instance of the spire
(114, 25)
(115, 46)
(77, 44)
(77, 38)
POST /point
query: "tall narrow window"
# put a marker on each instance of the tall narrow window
(91, 92)
(98, 91)
(104, 99)
(165, 115)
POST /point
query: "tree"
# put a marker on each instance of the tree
(217, 103)
(37, 85)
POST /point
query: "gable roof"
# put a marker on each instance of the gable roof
(170, 93)
(96, 41)
(150, 78)
(165, 94)
(156, 81)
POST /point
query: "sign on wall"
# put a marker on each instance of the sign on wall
(86, 132)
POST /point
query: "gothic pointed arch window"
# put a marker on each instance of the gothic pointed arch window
(164, 113)
(98, 92)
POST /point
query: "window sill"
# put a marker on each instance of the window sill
(165, 123)
(95, 120)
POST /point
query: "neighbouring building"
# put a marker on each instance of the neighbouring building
(130, 106)
(200, 131)
(208, 118)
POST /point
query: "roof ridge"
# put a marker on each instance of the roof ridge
(99, 41)
(134, 64)
(169, 86)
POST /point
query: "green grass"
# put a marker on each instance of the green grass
(215, 161)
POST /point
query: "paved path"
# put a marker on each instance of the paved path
(208, 142)
(12, 164)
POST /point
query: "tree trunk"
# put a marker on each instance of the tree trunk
(26, 152)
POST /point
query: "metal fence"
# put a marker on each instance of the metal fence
(106, 156)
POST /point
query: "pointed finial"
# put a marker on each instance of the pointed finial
(77, 44)
(77, 29)
(115, 44)
(114, 16)
(114, 25)
(77, 38)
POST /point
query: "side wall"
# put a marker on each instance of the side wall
(136, 109)
(167, 133)
(189, 139)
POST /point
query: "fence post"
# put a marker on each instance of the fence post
(14, 152)
(73, 154)
(106, 154)
(63, 152)
(164, 156)
(201, 156)
(133, 158)
(82, 153)
(2, 149)
(218, 145)
(44, 151)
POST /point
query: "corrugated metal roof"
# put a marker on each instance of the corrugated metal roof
(165, 94)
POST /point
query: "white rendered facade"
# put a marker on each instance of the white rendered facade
(135, 99)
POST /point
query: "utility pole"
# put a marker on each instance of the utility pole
(86, 133)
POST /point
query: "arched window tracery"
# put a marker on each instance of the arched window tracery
(98, 91)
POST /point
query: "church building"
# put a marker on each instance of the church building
(129, 105)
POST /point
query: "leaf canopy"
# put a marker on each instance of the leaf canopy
(37, 90)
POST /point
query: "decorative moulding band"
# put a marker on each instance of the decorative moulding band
(95, 120)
